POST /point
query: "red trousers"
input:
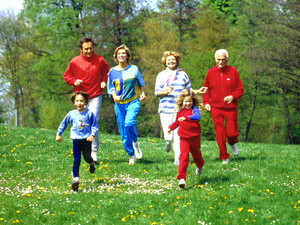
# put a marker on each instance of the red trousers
(228, 130)
(189, 145)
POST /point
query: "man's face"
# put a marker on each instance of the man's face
(221, 60)
(87, 49)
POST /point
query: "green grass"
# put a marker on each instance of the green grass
(260, 186)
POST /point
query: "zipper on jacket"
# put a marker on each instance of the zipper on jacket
(222, 84)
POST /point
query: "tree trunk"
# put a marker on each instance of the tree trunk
(118, 23)
(287, 117)
(252, 110)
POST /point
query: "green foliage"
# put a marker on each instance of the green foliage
(257, 187)
(261, 37)
(52, 111)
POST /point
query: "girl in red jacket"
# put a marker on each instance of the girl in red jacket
(187, 119)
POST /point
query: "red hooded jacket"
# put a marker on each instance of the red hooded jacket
(91, 70)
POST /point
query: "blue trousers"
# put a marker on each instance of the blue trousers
(126, 118)
(79, 146)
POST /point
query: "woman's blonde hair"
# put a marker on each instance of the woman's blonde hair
(185, 93)
(169, 53)
(123, 46)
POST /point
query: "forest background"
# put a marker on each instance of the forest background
(262, 37)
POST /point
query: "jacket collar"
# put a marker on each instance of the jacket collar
(87, 58)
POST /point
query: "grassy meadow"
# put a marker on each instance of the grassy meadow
(260, 186)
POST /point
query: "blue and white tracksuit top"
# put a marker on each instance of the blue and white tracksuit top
(125, 83)
(179, 80)
(83, 124)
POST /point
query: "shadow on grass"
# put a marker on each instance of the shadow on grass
(240, 159)
(205, 180)
(138, 161)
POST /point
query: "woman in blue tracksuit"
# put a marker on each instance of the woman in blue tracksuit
(123, 83)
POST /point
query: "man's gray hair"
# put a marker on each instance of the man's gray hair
(220, 51)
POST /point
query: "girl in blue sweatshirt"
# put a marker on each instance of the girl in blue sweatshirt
(83, 130)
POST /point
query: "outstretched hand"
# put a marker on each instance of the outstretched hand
(202, 90)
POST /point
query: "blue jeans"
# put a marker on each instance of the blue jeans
(126, 118)
(79, 146)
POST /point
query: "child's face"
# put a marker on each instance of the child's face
(79, 103)
(187, 102)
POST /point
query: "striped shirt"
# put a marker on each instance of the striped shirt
(177, 79)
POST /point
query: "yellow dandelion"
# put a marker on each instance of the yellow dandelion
(123, 219)
(210, 207)
(251, 210)
(153, 223)
(150, 206)
(162, 214)
(229, 212)
(240, 209)
(178, 197)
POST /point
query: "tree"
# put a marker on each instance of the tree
(181, 13)
(284, 58)
(14, 59)
(160, 36)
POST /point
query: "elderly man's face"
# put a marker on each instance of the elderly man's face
(221, 60)
(87, 49)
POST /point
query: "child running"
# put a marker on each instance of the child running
(83, 130)
(187, 118)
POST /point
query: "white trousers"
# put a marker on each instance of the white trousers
(167, 119)
(94, 105)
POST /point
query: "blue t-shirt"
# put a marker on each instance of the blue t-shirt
(125, 83)
(83, 124)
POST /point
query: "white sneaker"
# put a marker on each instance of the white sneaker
(225, 161)
(181, 183)
(137, 150)
(234, 150)
(132, 159)
(94, 156)
(176, 162)
(168, 146)
(199, 171)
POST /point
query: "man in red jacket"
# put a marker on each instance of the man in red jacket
(224, 89)
(88, 72)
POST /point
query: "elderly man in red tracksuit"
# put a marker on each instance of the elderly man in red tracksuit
(224, 89)
(88, 72)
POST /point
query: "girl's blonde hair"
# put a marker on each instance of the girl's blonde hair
(184, 93)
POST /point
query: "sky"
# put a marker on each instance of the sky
(16, 5)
